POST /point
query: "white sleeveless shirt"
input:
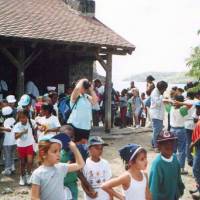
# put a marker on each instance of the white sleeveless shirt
(137, 189)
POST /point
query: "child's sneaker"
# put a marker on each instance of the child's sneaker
(22, 180)
(28, 179)
(6, 172)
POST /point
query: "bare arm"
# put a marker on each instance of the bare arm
(5, 129)
(19, 134)
(147, 192)
(114, 182)
(93, 98)
(35, 192)
(52, 130)
(79, 164)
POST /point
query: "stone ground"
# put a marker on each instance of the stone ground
(116, 139)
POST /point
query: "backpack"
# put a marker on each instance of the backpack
(64, 109)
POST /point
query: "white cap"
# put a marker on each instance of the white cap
(11, 99)
(51, 88)
(7, 110)
(24, 100)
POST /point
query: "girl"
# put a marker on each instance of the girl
(47, 180)
(49, 123)
(134, 182)
(137, 104)
(24, 135)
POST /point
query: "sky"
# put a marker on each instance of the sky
(163, 31)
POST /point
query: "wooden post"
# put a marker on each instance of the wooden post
(20, 72)
(108, 90)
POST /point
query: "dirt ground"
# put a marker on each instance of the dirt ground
(111, 154)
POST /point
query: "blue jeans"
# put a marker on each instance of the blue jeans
(157, 126)
(9, 156)
(196, 166)
(181, 145)
(189, 140)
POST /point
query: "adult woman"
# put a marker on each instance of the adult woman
(81, 115)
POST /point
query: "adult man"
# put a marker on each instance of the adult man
(157, 109)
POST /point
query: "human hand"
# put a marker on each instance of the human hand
(25, 131)
(92, 193)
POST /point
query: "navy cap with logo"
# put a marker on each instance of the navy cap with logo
(129, 151)
(96, 140)
(166, 136)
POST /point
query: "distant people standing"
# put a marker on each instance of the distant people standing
(32, 91)
(123, 107)
(3, 89)
(157, 109)
(149, 88)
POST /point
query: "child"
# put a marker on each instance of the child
(96, 170)
(9, 140)
(24, 135)
(123, 107)
(137, 104)
(196, 163)
(49, 124)
(134, 182)
(70, 180)
(165, 179)
(47, 180)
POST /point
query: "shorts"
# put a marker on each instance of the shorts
(23, 152)
(80, 134)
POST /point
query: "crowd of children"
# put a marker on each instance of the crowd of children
(39, 129)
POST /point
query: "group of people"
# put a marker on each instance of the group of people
(57, 130)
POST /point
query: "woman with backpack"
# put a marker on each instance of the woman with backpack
(82, 99)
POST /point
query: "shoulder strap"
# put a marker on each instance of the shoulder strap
(75, 103)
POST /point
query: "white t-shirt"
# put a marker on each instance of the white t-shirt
(96, 174)
(27, 138)
(9, 138)
(176, 119)
(51, 122)
(51, 181)
(40, 120)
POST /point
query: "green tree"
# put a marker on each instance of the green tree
(194, 64)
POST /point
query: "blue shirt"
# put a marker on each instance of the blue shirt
(81, 115)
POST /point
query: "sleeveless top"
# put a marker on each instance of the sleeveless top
(137, 189)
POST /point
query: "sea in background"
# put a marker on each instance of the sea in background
(120, 85)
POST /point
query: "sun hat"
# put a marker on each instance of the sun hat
(7, 110)
(61, 138)
(11, 99)
(24, 100)
(129, 151)
(166, 136)
(95, 140)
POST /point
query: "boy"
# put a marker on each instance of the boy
(96, 170)
(165, 179)
(70, 181)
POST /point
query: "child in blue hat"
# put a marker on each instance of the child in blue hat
(134, 181)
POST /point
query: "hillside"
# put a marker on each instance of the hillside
(170, 77)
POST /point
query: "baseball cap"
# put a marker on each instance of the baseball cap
(166, 136)
(62, 139)
(24, 100)
(11, 99)
(7, 110)
(95, 140)
(129, 151)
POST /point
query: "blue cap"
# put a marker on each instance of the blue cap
(62, 139)
(25, 100)
(96, 140)
(129, 151)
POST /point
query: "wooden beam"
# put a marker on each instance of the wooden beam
(10, 57)
(32, 57)
(101, 61)
(108, 91)
(114, 51)
(21, 72)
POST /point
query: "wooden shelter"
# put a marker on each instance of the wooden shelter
(38, 36)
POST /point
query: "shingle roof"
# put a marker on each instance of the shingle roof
(54, 20)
